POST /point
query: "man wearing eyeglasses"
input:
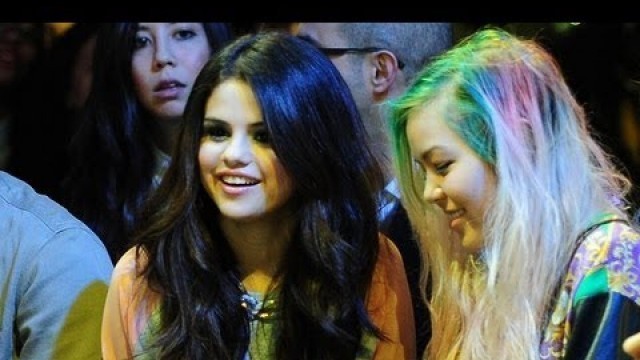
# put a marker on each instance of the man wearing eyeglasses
(377, 61)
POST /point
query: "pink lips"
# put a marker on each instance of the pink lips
(234, 190)
(455, 223)
(237, 182)
(455, 218)
(168, 89)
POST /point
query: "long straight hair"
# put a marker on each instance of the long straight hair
(112, 156)
(508, 101)
(317, 134)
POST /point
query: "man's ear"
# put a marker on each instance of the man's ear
(385, 71)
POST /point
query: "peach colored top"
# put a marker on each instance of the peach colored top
(130, 305)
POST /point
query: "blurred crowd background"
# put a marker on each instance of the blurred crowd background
(45, 76)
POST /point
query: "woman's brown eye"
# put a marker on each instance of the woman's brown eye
(216, 132)
(262, 136)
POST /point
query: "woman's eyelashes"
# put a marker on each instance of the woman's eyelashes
(184, 34)
(141, 41)
(216, 131)
(143, 37)
(261, 135)
(219, 131)
(442, 167)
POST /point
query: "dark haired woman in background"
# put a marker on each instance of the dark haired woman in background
(143, 74)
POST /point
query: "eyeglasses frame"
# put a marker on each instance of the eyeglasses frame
(339, 51)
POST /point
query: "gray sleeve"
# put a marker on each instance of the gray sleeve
(62, 298)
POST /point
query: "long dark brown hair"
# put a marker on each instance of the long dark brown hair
(317, 134)
(112, 159)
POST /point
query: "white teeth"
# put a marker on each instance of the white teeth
(238, 180)
(456, 214)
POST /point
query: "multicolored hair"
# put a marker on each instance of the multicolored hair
(507, 99)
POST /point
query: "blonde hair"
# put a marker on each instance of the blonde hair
(510, 104)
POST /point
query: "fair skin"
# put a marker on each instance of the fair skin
(457, 180)
(243, 176)
(372, 79)
(328, 35)
(166, 60)
(632, 346)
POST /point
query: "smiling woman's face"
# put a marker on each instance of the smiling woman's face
(457, 180)
(240, 170)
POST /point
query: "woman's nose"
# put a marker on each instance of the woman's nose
(432, 192)
(238, 152)
(164, 54)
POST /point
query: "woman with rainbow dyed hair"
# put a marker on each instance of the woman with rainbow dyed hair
(521, 214)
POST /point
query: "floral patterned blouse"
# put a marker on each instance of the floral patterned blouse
(598, 305)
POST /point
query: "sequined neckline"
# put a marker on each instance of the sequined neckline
(257, 309)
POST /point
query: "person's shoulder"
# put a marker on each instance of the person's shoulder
(24, 209)
(132, 262)
(620, 243)
(389, 275)
(608, 240)
(39, 229)
(614, 237)
(389, 264)
(608, 260)
(388, 251)
(129, 268)
(611, 242)
(129, 281)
